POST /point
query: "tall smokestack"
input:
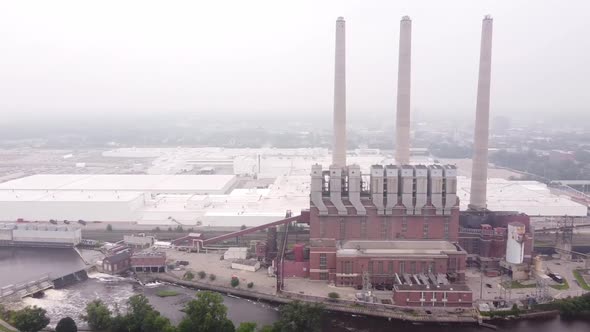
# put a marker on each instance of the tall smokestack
(479, 173)
(402, 131)
(339, 147)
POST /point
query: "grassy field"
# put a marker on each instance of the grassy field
(580, 279)
(167, 293)
(516, 284)
(563, 286)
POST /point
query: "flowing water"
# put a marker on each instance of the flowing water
(114, 291)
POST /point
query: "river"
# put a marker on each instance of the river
(114, 291)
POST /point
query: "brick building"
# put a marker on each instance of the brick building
(396, 220)
(483, 235)
(149, 261)
(437, 296)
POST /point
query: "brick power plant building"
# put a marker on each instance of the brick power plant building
(399, 227)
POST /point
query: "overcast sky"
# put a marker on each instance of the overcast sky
(277, 56)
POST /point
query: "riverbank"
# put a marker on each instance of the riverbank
(436, 315)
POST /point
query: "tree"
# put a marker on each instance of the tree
(141, 316)
(234, 282)
(98, 316)
(202, 274)
(29, 319)
(298, 316)
(188, 276)
(250, 284)
(333, 296)
(66, 324)
(212, 277)
(246, 327)
(109, 228)
(206, 314)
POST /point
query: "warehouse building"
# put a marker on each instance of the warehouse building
(32, 235)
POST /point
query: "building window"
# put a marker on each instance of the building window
(383, 229)
(444, 295)
(380, 267)
(342, 229)
(371, 267)
(432, 268)
(422, 295)
(322, 228)
(323, 261)
(390, 267)
(347, 267)
(423, 270)
(404, 226)
(402, 267)
(413, 267)
(364, 228)
(446, 228)
(324, 276)
(425, 230)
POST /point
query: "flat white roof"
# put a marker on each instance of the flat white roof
(135, 182)
(67, 196)
(530, 197)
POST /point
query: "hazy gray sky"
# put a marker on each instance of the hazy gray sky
(115, 56)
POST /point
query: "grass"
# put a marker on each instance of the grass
(516, 284)
(563, 286)
(167, 293)
(580, 279)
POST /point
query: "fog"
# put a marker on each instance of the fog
(116, 58)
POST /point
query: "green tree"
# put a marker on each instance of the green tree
(297, 316)
(202, 274)
(206, 314)
(66, 324)
(188, 276)
(29, 319)
(246, 327)
(234, 282)
(98, 316)
(141, 316)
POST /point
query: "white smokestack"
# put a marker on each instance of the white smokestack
(479, 173)
(402, 131)
(339, 147)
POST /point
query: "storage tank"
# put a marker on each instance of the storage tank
(515, 243)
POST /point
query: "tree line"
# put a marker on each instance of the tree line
(206, 313)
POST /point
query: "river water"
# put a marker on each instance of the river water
(115, 291)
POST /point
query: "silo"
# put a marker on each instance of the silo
(515, 243)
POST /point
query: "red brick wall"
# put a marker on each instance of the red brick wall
(294, 269)
(413, 298)
(415, 225)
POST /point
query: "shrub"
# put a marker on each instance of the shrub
(66, 324)
(250, 284)
(212, 277)
(235, 282)
(167, 293)
(188, 276)
(202, 274)
(333, 296)
(109, 228)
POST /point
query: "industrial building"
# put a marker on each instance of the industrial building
(32, 235)
(397, 220)
(148, 261)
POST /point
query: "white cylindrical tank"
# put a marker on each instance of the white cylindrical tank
(515, 243)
